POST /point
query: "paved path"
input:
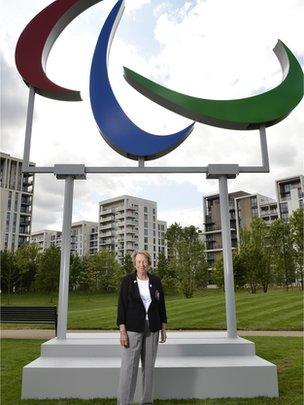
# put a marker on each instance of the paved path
(49, 334)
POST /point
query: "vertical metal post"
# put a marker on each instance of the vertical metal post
(28, 128)
(65, 258)
(264, 149)
(227, 256)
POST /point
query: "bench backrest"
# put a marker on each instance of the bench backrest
(28, 314)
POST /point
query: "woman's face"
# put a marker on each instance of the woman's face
(141, 264)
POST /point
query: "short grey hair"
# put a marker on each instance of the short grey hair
(141, 252)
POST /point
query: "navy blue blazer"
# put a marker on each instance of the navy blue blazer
(131, 310)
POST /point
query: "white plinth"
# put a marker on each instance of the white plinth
(188, 365)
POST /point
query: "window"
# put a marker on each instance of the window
(253, 202)
(153, 211)
(9, 202)
(146, 232)
(16, 202)
(145, 247)
(146, 224)
(146, 217)
(284, 208)
(145, 209)
(146, 240)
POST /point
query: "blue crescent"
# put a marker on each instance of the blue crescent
(114, 125)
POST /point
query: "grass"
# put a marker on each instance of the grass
(278, 309)
(285, 352)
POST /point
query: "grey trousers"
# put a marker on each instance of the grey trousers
(142, 345)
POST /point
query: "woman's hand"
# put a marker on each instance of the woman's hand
(124, 340)
(163, 336)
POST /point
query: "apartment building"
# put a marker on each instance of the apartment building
(128, 223)
(212, 225)
(45, 238)
(17, 190)
(93, 245)
(254, 206)
(290, 195)
(84, 238)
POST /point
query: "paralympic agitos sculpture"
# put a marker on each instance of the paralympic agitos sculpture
(126, 138)
(117, 129)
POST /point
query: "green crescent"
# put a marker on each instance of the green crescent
(266, 109)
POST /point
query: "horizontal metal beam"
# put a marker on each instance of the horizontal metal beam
(143, 170)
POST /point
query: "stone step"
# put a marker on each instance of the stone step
(178, 344)
(175, 377)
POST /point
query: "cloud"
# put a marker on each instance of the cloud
(13, 108)
(135, 5)
(208, 49)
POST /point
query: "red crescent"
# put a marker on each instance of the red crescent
(36, 41)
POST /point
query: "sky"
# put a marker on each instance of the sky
(217, 49)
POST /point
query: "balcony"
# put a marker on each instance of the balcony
(26, 210)
(107, 218)
(106, 243)
(28, 189)
(108, 226)
(25, 230)
(105, 234)
(130, 231)
(107, 212)
(27, 181)
(213, 229)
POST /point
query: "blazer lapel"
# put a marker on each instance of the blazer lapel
(135, 286)
(152, 288)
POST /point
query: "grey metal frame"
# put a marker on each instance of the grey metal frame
(71, 172)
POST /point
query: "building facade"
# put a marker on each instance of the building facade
(128, 223)
(254, 206)
(84, 238)
(212, 225)
(290, 195)
(45, 238)
(17, 190)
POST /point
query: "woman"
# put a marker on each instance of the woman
(141, 315)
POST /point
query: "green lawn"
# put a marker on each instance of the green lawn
(285, 352)
(276, 310)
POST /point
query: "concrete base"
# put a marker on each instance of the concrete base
(188, 365)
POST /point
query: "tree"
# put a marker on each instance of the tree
(76, 267)
(255, 256)
(162, 265)
(282, 252)
(239, 271)
(297, 236)
(218, 273)
(103, 272)
(127, 264)
(187, 262)
(9, 272)
(191, 266)
(166, 271)
(48, 270)
(26, 258)
(173, 234)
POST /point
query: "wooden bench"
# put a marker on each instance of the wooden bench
(29, 315)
